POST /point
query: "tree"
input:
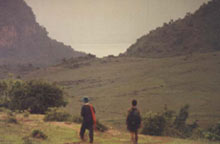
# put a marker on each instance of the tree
(36, 96)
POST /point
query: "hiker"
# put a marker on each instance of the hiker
(89, 120)
(133, 121)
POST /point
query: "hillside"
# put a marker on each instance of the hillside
(67, 133)
(196, 33)
(24, 41)
(112, 83)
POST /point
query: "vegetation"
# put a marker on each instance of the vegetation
(60, 115)
(35, 96)
(66, 133)
(101, 127)
(38, 134)
(213, 133)
(153, 82)
(55, 114)
(167, 123)
(195, 33)
(11, 119)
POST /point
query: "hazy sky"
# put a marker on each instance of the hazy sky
(104, 27)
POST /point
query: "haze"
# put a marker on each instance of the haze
(106, 27)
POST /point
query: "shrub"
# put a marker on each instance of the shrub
(55, 114)
(213, 133)
(211, 136)
(37, 96)
(11, 119)
(38, 134)
(180, 121)
(153, 124)
(77, 119)
(167, 123)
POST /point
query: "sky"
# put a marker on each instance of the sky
(106, 27)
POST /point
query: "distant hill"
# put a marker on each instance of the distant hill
(24, 41)
(198, 32)
(112, 82)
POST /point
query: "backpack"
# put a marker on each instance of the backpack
(133, 118)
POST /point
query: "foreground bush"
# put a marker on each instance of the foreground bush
(38, 134)
(153, 124)
(213, 133)
(168, 123)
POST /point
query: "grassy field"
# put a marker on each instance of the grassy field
(112, 83)
(67, 133)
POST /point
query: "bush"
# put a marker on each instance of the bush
(180, 121)
(213, 133)
(153, 124)
(77, 119)
(55, 114)
(11, 119)
(211, 136)
(37, 96)
(38, 134)
(101, 127)
(167, 123)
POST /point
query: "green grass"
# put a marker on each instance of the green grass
(63, 133)
(113, 82)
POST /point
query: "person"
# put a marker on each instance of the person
(88, 114)
(133, 121)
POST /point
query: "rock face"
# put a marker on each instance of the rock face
(198, 32)
(24, 41)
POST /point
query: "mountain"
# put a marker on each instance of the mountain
(196, 33)
(24, 41)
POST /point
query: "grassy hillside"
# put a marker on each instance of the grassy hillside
(112, 83)
(67, 133)
(195, 33)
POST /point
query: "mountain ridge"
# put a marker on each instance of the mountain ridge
(195, 33)
(24, 41)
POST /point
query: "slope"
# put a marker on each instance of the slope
(196, 33)
(112, 83)
(24, 41)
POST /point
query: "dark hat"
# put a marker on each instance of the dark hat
(85, 99)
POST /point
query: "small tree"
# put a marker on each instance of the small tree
(36, 96)
(43, 95)
(154, 124)
(180, 121)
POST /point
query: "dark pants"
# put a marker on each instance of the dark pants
(83, 129)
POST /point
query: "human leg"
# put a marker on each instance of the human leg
(132, 137)
(136, 137)
(91, 134)
(82, 131)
